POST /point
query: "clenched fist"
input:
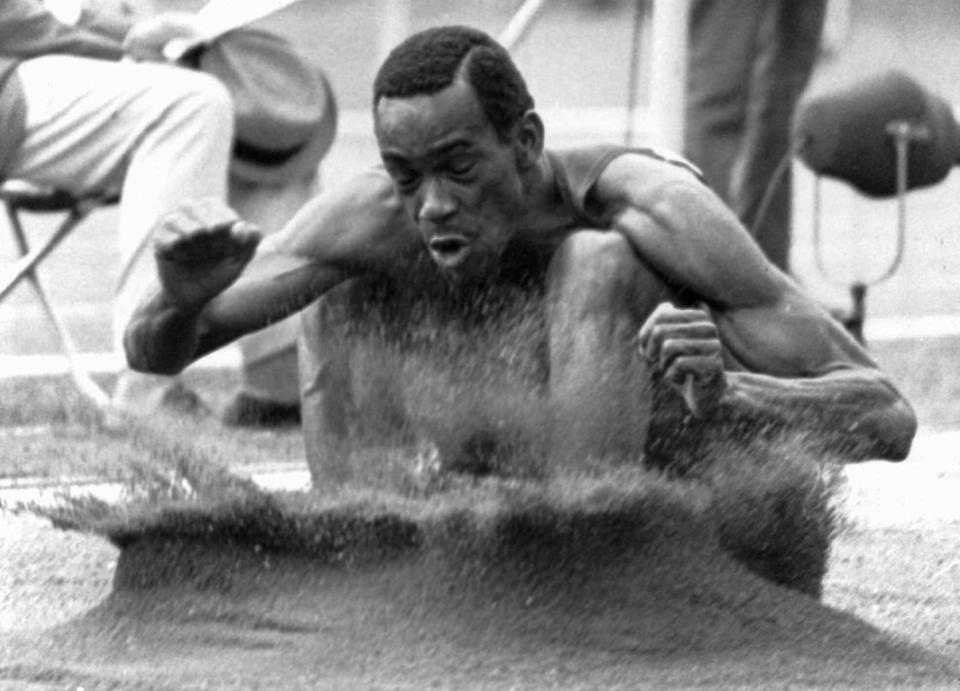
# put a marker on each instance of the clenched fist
(201, 248)
(684, 346)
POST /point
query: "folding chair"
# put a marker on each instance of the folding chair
(18, 198)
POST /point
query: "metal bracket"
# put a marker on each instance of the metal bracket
(903, 133)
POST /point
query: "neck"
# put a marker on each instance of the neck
(544, 203)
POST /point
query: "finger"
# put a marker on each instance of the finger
(699, 346)
(209, 212)
(185, 239)
(667, 315)
(178, 221)
(660, 313)
(169, 242)
(238, 240)
(662, 334)
(205, 224)
(196, 216)
(206, 245)
(703, 369)
(688, 390)
(246, 236)
(681, 316)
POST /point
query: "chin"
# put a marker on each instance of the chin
(462, 278)
(476, 274)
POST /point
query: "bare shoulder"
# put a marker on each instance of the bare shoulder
(649, 196)
(683, 230)
(358, 222)
(643, 180)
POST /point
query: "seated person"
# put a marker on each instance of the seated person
(648, 283)
(74, 116)
(264, 186)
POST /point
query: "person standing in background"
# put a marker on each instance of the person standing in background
(749, 62)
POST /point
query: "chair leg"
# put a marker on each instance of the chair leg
(26, 268)
(31, 258)
(81, 378)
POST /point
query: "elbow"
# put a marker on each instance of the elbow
(147, 367)
(882, 430)
(892, 432)
(139, 362)
(901, 428)
(140, 357)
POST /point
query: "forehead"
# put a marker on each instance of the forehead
(418, 124)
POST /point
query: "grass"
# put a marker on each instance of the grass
(49, 430)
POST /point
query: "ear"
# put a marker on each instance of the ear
(528, 141)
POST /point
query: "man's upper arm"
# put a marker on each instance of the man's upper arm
(342, 232)
(685, 233)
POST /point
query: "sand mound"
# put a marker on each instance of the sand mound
(585, 584)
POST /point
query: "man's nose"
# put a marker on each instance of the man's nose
(436, 203)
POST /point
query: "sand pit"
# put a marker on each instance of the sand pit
(620, 583)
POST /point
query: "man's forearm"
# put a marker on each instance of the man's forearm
(855, 412)
(161, 338)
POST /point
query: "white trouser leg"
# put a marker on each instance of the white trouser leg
(161, 135)
(270, 356)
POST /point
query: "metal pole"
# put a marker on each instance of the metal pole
(517, 29)
(641, 14)
(394, 24)
(668, 70)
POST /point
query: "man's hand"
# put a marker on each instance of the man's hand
(684, 346)
(201, 248)
(147, 39)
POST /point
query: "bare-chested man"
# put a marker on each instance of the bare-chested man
(643, 274)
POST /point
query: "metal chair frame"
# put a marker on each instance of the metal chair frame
(19, 198)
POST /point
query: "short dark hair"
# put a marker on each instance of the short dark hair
(429, 61)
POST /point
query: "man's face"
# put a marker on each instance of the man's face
(457, 179)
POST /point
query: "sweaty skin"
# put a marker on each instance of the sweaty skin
(455, 194)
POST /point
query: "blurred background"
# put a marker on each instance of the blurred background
(580, 63)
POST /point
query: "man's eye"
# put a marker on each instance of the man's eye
(405, 181)
(461, 167)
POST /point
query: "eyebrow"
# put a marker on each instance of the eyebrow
(451, 147)
(447, 148)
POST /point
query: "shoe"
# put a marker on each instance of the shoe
(182, 400)
(140, 396)
(249, 411)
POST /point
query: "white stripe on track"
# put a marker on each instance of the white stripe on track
(12, 366)
(883, 329)
(921, 491)
(878, 330)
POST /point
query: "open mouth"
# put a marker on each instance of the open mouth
(449, 250)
